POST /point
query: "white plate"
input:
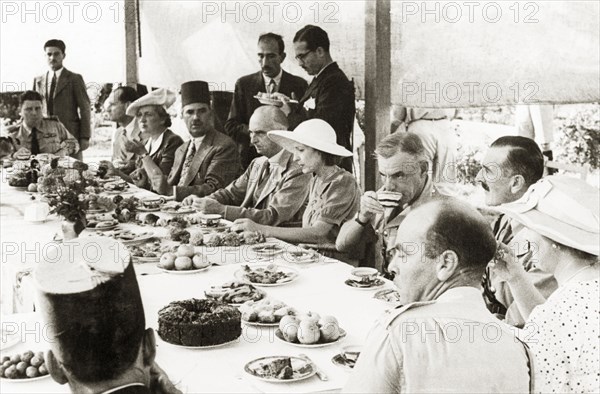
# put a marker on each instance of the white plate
(111, 227)
(144, 209)
(267, 249)
(269, 101)
(143, 237)
(292, 275)
(300, 257)
(341, 362)
(297, 363)
(11, 340)
(382, 295)
(180, 211)
(378, 285)
(200, 347)
(261, 294)
(182, 272)
(279, 335)
(26, 380)
(259, 324)
(219, 227)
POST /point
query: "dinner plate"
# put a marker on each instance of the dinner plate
(179, 211)
(220, 227)
(355, 284)
(26, 380)
(201, 347)
(301, 257)
(182, 272)
(267, 249)
(140, 238)
(106, 228)
(144, 209)
(303, 369)
(259, 324)
(260, 294)
(390, 296)
(291, 272)
(279, 336)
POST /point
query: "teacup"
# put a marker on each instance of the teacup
(389, 199)
(365, 273)
(210, 220)
(153, 203)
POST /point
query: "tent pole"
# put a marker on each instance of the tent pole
(377, 84)
(131, 32)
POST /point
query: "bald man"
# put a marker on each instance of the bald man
(443, 338)
(273, 190)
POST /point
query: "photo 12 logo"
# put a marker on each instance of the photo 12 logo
(471, 11)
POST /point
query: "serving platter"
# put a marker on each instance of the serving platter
(25, 380)
(183, 272)
(279, 335)
(201, 347)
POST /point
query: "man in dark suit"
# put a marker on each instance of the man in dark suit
(270, 79)
(65, 95)
(330, 95)
(209, 160)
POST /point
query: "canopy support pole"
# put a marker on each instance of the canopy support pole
(131, 36)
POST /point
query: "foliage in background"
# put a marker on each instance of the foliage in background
(499, 115)
(468, 164)
(9, 106)
(579, 141)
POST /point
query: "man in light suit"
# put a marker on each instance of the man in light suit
(207, 162)
(270, 79)
(65, 95)
(273, 189)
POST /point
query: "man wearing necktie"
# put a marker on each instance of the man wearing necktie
(209, 160)
(270, 79)
(64, 95)
(37, 134)
(273, 190)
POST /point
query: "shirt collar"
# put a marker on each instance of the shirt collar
(57, 72)
(152, 146)
(122, 387)
(276, 160)
(197, 141)
(277, 78)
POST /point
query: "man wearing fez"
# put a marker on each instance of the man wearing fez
(127, 127)
(97, 332)
(330, 95)
(65, 96)
(209, 160)
(442, 338)
(273, 189)
(36, 134)
(270, 79)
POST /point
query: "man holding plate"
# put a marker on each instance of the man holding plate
(406, 185)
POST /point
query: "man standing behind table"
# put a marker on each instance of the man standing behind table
(273, 189)
(65, 96)
(116, 104)
(330, 95)
(205, 163)
(509, 167)
(443, 339)
(406, 185)
(36, 134)
(270, 79)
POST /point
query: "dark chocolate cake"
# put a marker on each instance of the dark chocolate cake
(197, 322)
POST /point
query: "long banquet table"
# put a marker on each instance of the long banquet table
(319, 287)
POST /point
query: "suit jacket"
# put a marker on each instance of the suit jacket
(71, 102)
(215, 164)
(330, 97)
(164, 157)
(281, 199)
(244, 104)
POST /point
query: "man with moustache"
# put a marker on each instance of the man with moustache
(273, 189)
(442, 338)
(128, 128)
(509, 167)
(403, 169)
(209, 160)
(270, 79)
(330, 95)
(64, 95)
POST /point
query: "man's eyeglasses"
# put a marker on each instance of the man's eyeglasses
(302, 56)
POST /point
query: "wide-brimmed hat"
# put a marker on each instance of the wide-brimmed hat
(315, 133)
(163, 97)
(561, 208)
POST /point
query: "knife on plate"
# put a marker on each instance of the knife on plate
(319, 372)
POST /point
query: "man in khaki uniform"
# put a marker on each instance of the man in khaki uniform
(443, 339)
(38, 134)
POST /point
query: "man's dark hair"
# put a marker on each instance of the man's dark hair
(314, 37)
(462, 229)
(275, 37)
(126, 94)
(60, 44)
(524, 157)
(29, 95)
(403, 142)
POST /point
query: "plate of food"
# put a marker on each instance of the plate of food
(106, 225)
(365, 283)
(181, 272)
(319, 343)
(177, 209)
(146, 253)
(235, 293)
(347, 357)
(265, 313)
(24, 367)
(301, 256)
(267, 249)
(280, 369)
(266, 274)
(390, 296)
(128, 237)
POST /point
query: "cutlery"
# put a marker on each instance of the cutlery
(320, 373)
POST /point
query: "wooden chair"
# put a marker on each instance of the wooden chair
(581, 170)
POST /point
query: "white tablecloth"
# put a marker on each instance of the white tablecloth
(319, 287)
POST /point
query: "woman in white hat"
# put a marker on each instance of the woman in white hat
(161, 143)
(334, 194)
(562, 233)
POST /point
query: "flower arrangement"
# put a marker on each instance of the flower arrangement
(68, 198)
